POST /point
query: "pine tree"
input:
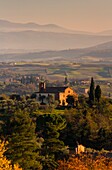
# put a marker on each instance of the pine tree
(98, 93)
(53, 148)
(23, 147)
(92, 92)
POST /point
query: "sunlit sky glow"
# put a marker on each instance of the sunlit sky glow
(86, 15)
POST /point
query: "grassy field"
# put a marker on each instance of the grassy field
(57, 71)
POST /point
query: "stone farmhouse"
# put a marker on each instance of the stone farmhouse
(51, 94)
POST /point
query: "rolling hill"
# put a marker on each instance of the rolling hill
(101, 52)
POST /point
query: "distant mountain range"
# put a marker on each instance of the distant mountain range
(11, 26)
(32, 37)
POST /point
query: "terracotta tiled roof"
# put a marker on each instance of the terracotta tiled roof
(53, 90)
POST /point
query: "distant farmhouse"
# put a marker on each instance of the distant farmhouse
(50, 94)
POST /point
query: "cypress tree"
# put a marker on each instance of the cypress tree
(98, 93)
(66, 80)
(23, 147)
(92, 92)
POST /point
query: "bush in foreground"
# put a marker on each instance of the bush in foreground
(86, 162)
(5, 164)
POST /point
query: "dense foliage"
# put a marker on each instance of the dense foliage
(86, 162)
(39, 137)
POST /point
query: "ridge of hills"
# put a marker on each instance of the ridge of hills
(101, 51)
(48, 40)
(7, 26)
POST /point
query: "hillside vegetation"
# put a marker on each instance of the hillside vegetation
(44, 139)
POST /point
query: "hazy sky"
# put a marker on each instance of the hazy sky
(87, 15)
